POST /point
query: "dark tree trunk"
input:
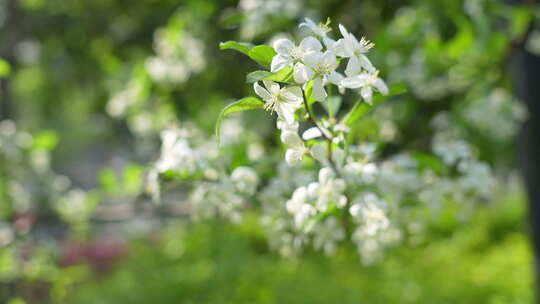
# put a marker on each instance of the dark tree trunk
(526, 76)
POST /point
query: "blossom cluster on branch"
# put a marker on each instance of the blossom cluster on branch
(329, 189)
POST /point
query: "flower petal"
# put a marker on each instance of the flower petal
(308, 23)
(319, 94)
(355, 82)
(335, 78)
(381, 86)
(279, 62)
(283, 46)
(272, 87)
(286, 112)
(291, 139)
(330, 59)
(313, 58)
(338, 48)
(348, 42)
(343, 31)
(293, 156)
(367, 93)
(299, 196)
(317, 30)
(365, 63)
(302, 73)
(292, 95)
(326, 175)
(310, 44)
(311, 133)
(353, 66)
(329, 43)
(286, 126)
(262, 92)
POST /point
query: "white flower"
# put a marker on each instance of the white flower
(288, 53)
(209, 200)
(245, 179)
(369, 209)
(328, 190)
(176, 152)
(321, 67)
(361, 172)
(299, 207)
(451, 150)
(285, 126)
(326, 234)
(366, 82)
(294, 156)
(285, 101)
(311, 133)
(289, 136)
(350, 47)
(321, 30)
(299, 197)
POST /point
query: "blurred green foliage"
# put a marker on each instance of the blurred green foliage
(486, 260)
(61, 62)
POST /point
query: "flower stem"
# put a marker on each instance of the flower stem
(327, 137)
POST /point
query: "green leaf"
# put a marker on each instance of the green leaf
(5, 68)
(262, 54)
(242, 47)
(361, 108)
(244, 104)
(257, 76)
(283, 75)
(309, 93)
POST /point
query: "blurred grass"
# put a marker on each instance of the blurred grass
(484, 260)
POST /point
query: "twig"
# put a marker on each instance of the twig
(328, 139)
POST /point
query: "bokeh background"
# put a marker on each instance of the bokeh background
(87, 86)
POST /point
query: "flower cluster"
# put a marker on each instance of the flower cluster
(498, 115)
(178, 56)
(207, 190)
(359, 195)
(316, 59)
(315, 65)
(317, 197)
(329, 189)
(258, 13)
(225, 197)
